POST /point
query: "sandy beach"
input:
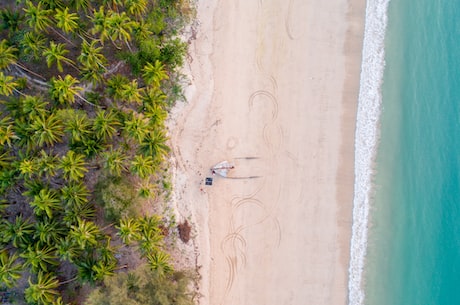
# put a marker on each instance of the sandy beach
(273, 89)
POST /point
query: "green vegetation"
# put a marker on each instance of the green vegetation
(141, 287)
(85, 88)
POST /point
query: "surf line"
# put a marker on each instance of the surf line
(366, 140)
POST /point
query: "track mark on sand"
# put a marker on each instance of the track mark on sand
(267, 95)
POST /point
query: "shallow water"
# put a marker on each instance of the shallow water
(414, 236)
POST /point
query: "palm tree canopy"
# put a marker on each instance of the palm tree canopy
(73, 166)
(66, 21)
(153, 74)
(7, 54)
(47, 130)
(37, 17)
(39, 258)
(86, 233)
(10, 269)
(105, 124)
(43, 291)
(115, 161)
(56, 53)
(65, 89)
(129, 230)
(91, 55)
(46, 202)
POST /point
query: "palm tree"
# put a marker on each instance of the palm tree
(7, 134)
(6, 160)
(154, 96)
(33, 44)
(143, 166)
(105, 124)
(47, 164)
(83, 211)
(119, 27)
(91, 55)
(39, 258)
(136, 126)
(159, 262)
(150, 226)
(33, 187)
(8, 57)
(105, 251)
(81, 4)
(22, 128)
(131, 93)
(33, 105)
(37, 18)
(49, 232)
(85, 233)
(136, 7)
(66, 21)
(46, 202)
(93, 75)
(78, 125)
(150, 242)
(154, 74)
(141, 30)
(99, 21)
(19, 232)
(156, 113)
(85, 269)
(28, 168)
(53, 4)
(65, 90)
(67, 249)
(43, 291)
(73, 166)
(113, 4)
(47, 130)
(11, 20)
(74, 194)
(115, 86)
(154, 144)
(7, 84)
(7, 54)
(102, 269)
(129, 230)
(10, 270)
(115, 162)
(56, 53)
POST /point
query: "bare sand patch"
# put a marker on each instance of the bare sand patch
(274, 88)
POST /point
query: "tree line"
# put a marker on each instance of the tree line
(85, 89)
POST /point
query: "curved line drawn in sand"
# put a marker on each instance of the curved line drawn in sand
(274, 142)
(271, 98)
(288, 23)
(234, 244)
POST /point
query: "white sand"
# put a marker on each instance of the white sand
(276, 80)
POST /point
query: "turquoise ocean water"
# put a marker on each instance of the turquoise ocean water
(412, 254)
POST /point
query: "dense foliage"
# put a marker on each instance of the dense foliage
(143, 287)
(85, 87)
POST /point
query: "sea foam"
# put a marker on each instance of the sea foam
(366, 139)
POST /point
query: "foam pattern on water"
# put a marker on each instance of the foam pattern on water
(366, 139)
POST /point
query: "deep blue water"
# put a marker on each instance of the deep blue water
(413, 253)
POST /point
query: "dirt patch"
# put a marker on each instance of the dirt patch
(184, 231)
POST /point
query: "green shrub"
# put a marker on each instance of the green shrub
(118, 197)
(143, 286)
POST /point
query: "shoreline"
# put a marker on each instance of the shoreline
(231, 219)
(366, 142)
